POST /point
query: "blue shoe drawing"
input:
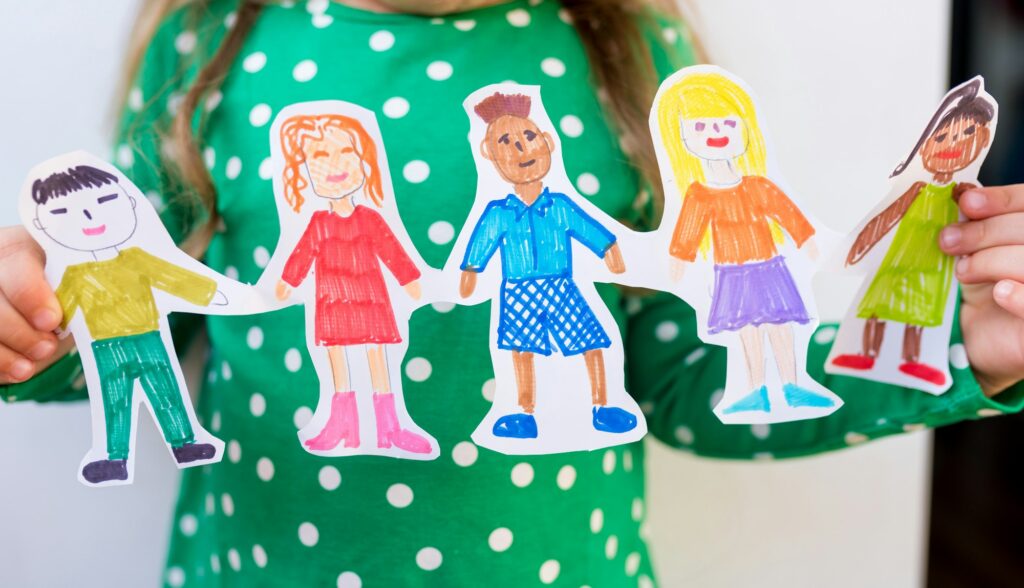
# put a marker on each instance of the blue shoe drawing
(613, 420)
(516, 426)
(756, 400)
(797, 396)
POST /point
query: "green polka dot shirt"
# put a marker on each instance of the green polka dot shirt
(271, 514)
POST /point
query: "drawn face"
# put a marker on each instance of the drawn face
(334, 166)
(90, 219)
(955, 146)
(521, 152)
(715, 139)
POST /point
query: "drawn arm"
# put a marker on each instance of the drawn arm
(785, 212)
(302, 257)
(880, 226)
(484, 240)
(67, 295)
(585, 229)
(390, 251)
(694, 220)
(166, 276)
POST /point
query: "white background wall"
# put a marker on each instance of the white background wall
(844, 86)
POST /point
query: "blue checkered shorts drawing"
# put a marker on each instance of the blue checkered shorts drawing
(533, 308)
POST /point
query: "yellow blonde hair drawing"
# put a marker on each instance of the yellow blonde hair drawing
(709, 95)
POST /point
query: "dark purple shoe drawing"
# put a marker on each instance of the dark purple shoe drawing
(190, 452)
(105, 470)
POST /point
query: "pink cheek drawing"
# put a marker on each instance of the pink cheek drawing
(699, 127)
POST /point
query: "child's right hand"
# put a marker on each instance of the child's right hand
(283, 290)
(29, 310)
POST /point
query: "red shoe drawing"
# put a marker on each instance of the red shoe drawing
(923, 372)
(854, 361)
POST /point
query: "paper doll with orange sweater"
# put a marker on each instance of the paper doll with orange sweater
(761, 246)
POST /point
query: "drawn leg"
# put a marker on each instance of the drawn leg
(343, 422)
(595, 371)
(752, 339)
(781, 337)
(389, 430)
(521, 425)
(912, 335)
(609, 419)
(871, 345)
(116, 391)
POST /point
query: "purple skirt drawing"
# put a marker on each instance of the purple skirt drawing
(755, 294)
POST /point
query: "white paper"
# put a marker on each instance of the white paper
(891, 362)
(92, 213)
(335, 140)
(709, 130)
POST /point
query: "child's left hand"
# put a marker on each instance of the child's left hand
(991, 268)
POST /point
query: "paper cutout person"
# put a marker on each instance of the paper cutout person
(714, 157)
(533, 230)
(109, 255)
(913, 283)
(328, 161)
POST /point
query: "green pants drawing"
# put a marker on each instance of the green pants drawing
(122, 360)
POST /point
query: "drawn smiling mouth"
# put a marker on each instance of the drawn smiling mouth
(718, 141)
(93, 231)
(950, 154)
(528, 163)
(337, 178)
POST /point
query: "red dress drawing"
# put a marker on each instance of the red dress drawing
(352, 302)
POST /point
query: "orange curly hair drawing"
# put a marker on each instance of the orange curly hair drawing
(298, 129)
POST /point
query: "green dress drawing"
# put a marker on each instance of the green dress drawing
(913, 282)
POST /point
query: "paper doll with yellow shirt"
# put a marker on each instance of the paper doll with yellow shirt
(117, 274)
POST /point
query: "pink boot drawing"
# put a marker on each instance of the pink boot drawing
(342, 424)
(389, 432)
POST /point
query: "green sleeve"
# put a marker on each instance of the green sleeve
(174, 280)
(146, 117)
(678, 379)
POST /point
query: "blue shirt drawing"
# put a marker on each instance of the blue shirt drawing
(535, 241)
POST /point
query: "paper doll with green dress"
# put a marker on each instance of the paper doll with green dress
(913, 282)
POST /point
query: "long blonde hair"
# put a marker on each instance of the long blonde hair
(610, 31)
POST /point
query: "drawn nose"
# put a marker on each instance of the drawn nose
(519, 146)
(716, 127)
(86, 212)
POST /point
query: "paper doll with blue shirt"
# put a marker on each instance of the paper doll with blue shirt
(541, 308)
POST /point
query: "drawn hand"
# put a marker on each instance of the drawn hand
(219, 299)
(467, 284)
(413, 289)
(613, 259)
(676, 268)
(29, 310)
(810, 247)
(991, 269)
(283, 290)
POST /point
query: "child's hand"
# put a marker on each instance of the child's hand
(676, 268)
(811, 248)
(467, 284)
(29, 311)
(283, 290)
(413, 289)
(991, 243)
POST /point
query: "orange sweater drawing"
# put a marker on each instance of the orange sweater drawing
(739, 220)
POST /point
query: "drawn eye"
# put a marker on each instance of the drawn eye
(730, 123)
(940, 138)
(320, 154)
(106, 198)
(969, 130)
(504, 139)
(59, 211)
(347, 150)
(530, 135)
(699, 127)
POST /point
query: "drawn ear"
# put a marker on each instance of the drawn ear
(132, 200)
(37, 224)
(550, 141)
(483, 150)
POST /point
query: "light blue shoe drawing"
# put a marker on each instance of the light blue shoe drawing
(756, 400)
(797, 396)
(611, 419)
(516, 426)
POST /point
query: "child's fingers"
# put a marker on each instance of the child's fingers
(979, 203)
(14, 367)
(992, 265)
(18, 335)
(971, 236)
(1009, 294)
(23, 283)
